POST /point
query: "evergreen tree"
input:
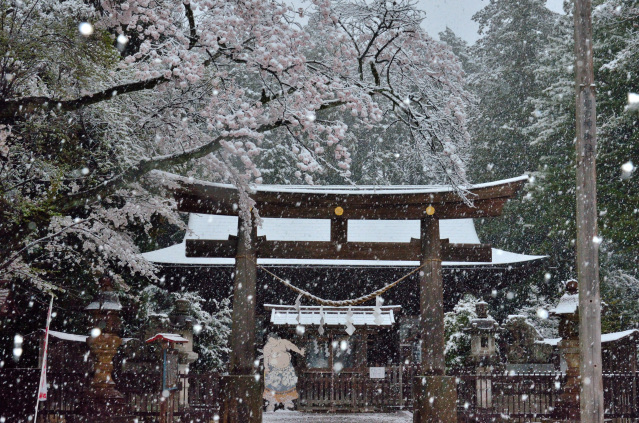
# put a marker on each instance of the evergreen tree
(515, 76)
(515, 34)
(544, 221)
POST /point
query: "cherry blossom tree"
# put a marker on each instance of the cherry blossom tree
(95, 96)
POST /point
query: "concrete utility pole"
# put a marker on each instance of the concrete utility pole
(591, 398)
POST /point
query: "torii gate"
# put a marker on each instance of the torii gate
(435, 392)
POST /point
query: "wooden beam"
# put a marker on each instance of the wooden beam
(490, 207)
(327, 250)
(339, 230)
(382, 203)
(591, 397)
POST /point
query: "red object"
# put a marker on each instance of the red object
(169, 337)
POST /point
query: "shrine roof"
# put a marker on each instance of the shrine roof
(605, 337)
(64, 336)
(217, 227)
(333, 316)
(357, 202)
(616, 336)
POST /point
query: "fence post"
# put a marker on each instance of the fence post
(567, 406)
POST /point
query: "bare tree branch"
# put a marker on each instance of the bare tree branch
(20, 107)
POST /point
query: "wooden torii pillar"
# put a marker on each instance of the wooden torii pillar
(435, 393)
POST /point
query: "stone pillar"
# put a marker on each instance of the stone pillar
(435, 394)
(102, 402)
(241, 390)
(567, 407)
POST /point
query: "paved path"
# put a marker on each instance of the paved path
(282, 416)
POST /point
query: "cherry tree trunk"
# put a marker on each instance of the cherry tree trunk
(241, 390)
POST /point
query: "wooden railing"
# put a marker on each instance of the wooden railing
(521, 397)
(355, 391)
(620, 395)
(481, 397)
(195, 400)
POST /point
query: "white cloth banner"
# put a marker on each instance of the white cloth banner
(42, 390)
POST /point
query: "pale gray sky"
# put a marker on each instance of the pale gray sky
(457, 14)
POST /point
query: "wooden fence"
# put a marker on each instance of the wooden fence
(481, 397)
(356, 391)
(519, 398)
(196, 400)
(620, 396)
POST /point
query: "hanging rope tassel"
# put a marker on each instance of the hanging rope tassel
(298, 308)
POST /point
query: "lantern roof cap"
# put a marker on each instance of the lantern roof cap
(169, 337)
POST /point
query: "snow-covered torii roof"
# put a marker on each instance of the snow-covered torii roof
(355, 202)
(287, 315)
(216, 227)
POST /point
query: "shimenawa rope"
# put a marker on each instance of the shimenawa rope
(343, 303)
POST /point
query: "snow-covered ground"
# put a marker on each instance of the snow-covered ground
(282, 416)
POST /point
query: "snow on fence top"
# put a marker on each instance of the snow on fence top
(64, 336)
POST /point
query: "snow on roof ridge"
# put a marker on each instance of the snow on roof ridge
(548, 341)
(170, 337)
(605, 337)
(615, 336)
(176, 254)
(219, 227)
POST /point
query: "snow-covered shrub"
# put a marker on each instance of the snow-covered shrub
(211, 343)
(457, 340)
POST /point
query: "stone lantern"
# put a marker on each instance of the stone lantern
(483, 352)
(179, 321)
(482, 331)
(567, 310)
(102, 402)
(182, 322)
